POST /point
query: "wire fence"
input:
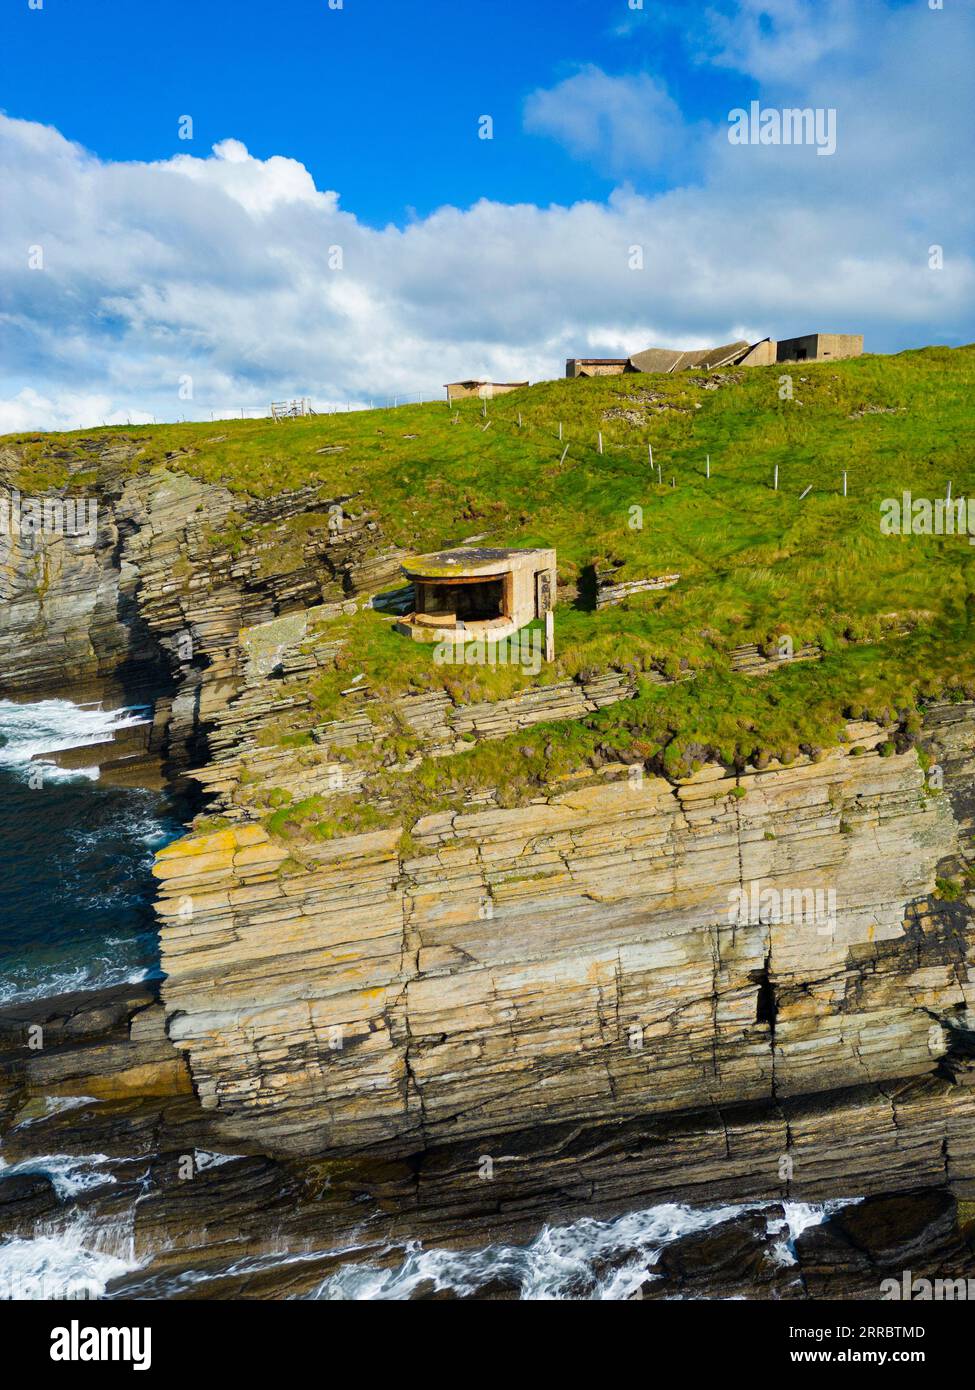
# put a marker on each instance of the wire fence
(591, 447)
(552, 432)
(298, 406)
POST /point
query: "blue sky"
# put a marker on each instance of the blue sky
(144, 276)
(379, 99)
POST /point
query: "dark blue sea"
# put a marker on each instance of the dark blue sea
(76, 913)
(75, 857)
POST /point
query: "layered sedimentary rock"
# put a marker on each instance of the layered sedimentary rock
(105, 1045)
(859, 1252)
(608, 591)
(439, 724)
(607, 951)
(68, 619)
(750, 661)
(623, 957)
(102, 1087)
(151, 606)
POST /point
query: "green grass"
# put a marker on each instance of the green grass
(949, 889)
(892, 614)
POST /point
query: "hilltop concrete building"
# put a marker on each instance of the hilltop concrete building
(737, 354)
(477, 592)
(597, 366)
(813, 347)
(819, 347)
(461, 390)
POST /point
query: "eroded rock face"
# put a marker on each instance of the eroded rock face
(150, 608)
(616, 952)
(102, 1093)
(588, 956)
(107, 1045)
(67, 616)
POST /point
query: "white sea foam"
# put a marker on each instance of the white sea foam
(69, 1173)
(49, 726)
(799, 1216)
(72, 1260)
(96, 974)
(76, 1252)
(29, 735)
(596, 1260)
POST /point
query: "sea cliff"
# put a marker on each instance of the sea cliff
(593, 955)
(610, 982)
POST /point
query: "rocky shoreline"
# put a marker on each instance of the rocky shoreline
(203, 1223)
(491, 1019)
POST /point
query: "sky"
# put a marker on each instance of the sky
(205, 207)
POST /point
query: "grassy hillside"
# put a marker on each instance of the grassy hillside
(893, 614)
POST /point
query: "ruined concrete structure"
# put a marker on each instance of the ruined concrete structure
(477, 386)
(597, 366)
(819, 347)
(812, 347)
(477, 592)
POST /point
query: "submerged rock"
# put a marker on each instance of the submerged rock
(886, 1237)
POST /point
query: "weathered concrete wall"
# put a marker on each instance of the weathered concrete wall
(581, 366)
(820, 347)
(484, 390)
(763, 354)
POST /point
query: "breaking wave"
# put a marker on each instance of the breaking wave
(75, 1253)
(69, 1174)
(27, 732)
(586, 1259)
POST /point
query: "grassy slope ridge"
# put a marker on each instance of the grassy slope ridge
(892, 613)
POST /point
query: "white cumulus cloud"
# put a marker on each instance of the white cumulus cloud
(622, 123)
(130, 290)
